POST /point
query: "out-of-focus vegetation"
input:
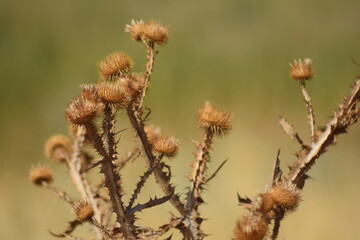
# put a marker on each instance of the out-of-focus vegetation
(234, 53)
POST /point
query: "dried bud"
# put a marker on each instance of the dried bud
(136, 29)
(214, 119)
(250, 228)
(114, 65)
(40, 174)
(150, 31)
(133, 85)
(113, 93)
(81, 111)
(153, 133)
(58, 148)
(286, 196)
(89, 91)
(265, 202)
(167, 146)
(83, 211)
(301, 70)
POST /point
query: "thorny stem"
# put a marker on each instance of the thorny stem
(95, 139)
(150, 50)
(108, 169)
(344, 117)
(160, 176)
(141, 183)
(280, 213)
(310, 110)
(102, 229)
(197, 180)
(333, 128)
(79, 179)
(199, 168)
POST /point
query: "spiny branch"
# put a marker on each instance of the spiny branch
(160, 176)
(140, 185)
(341, 121)
(310, 110)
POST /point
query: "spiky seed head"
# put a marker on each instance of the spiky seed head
(286, 196)
(156, 32)
(113, 92)
(58, 148)
(166, 145)
(150, 31)
(265, 202)
(40, 174)
(114, 65)
(153, 133)
(250, 228)
(83, 211)
(136, 29)
(214, 119)
(133, 85)
(81, 111)
(301, 70)
(89, 91)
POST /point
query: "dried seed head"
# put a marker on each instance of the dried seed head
(83, 211)
(89, 91)
(156, 32)
(285, 196)
(250, 228)
(153, 133)
(167, 146)
(58, 148)
(212, 118)
(113, 92)
(150, 31)
(135, 28)
(265, 202)
(40, 174)
(133, 85)
(81, 111)
(301, 70)
(114, 65)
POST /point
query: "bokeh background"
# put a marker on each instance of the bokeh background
(234, 53)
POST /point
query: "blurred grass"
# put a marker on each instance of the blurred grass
(234, 53)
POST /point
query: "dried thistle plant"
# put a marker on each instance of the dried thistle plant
(92, 117)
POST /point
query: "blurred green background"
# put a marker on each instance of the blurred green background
(234, 53)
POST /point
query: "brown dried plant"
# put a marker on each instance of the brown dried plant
(120, 89)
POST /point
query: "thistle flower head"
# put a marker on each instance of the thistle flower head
(113, 92)
(58, 148)
(114, 65)
(287, 197)
(89, 91)
(81, 111)
(166, 145)
(151, 31)
(40, 174)
(212, 118)
(301, 70)
(83, 211)
(136, 29)
(265, 203)
(250, 228)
